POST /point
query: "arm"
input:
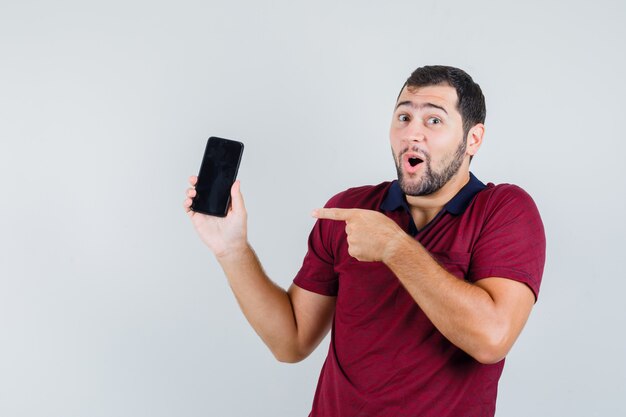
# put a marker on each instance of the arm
(483, 319)
(291, 323)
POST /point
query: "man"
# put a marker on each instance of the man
(427, 281)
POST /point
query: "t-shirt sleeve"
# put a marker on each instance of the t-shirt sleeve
(317, 273)
(512, 242)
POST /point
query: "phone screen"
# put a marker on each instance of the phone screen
(217, 175)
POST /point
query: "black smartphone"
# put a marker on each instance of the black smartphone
(217, 175)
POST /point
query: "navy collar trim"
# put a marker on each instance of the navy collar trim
(395, 197)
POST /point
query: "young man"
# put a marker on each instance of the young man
(427, 281)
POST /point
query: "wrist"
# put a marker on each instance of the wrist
(233, 252)
(397, 246)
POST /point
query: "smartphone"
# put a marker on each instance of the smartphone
(217, 175)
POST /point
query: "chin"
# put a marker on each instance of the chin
(413, 187)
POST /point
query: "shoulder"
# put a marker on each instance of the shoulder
(509, 239)
(506, 201)
(367, 197)
(500, 195)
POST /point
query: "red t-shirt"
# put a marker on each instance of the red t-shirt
(386, 358)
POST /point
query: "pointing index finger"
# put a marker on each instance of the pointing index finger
(332, 213)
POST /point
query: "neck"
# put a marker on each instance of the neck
(425, 208)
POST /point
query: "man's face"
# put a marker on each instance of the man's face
(427, 138)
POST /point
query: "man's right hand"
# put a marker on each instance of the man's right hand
(223, 235)
(300, 318)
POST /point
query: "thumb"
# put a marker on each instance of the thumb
(236, 197)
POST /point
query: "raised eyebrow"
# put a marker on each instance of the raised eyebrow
(420, 106)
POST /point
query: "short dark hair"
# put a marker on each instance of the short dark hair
(471, 102)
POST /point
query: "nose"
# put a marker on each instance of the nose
(418, 137)
(414, 134)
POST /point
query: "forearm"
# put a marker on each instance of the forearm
(483, 318)
(463, 312)
(266, 306)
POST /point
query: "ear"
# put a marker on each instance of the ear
(475, 138)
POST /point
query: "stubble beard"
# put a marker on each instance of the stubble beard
(431, 180)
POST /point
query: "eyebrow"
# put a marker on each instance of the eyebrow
(420, 106)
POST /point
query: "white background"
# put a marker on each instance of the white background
(109, 303)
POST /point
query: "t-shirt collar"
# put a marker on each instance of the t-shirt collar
(395, 197)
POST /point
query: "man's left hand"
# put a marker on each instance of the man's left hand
(371, 234)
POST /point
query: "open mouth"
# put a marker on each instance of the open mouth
(415, 161)
(412, 162)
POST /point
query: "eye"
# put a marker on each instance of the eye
(433, 121)
(403, 117)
